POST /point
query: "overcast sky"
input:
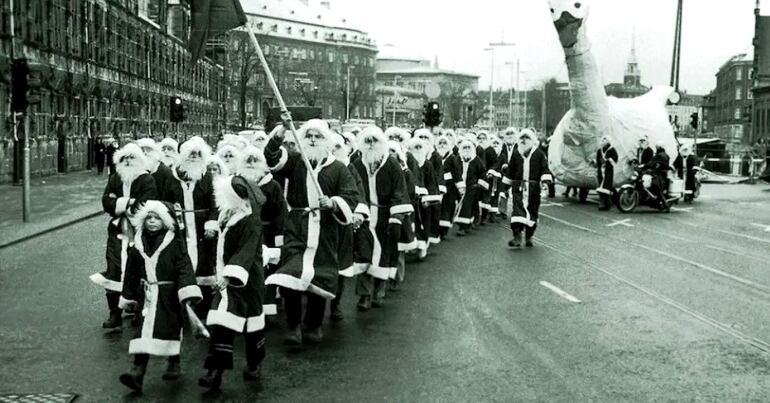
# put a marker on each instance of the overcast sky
(458, 31)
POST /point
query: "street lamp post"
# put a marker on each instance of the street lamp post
(510, 94)
(395, 96)
(491, 48)
(347, 97)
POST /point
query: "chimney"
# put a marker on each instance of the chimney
(326, 4)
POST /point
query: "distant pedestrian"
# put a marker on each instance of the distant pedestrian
(100, 155)
(160, 272)
(109, 152)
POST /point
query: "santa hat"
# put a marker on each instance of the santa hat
(317, 125)
(221, 151)
(131, 149)
(467, 149)
(336, 140)
(214, 159)
(418, 142)
(163, 210)
(400, 133)
(233, 140)
(252, 151)
(248, 135)
(529, 133)
(195, 143)
(169, 142)
(510, 130)
(371, 131)
(350, 138)
(395, 147)
(493, 138)
(147, 142)
(425, 134)
(232, 194)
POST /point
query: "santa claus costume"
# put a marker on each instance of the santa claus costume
(125, 192)
(495, 159)
(237, 308)
(453, 180)
(385, 193)
(527, 169)
(159, 272)
(474, 178)
(230, 155)
(170, 150)
(193, 191)
(253, 168)
(437, 164)
(309, 259)
(160, 172)
(355, 246)
(428, 195)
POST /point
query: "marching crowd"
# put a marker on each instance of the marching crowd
(221, 237)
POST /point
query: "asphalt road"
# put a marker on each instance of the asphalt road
(606, 307)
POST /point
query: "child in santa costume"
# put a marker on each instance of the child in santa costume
(237, 307)
(160, 273)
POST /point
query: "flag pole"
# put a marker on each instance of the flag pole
(282, 105)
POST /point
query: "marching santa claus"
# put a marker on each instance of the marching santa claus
(125, 192)
(474, 180)
(527, 169)
(309, 258)
(170, 150)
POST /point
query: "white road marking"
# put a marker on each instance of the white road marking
(685, 209)
(753, 238)
(625, 223)
(763, 226)
(549, 204)
(559, 292)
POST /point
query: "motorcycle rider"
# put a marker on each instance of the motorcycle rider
(644, 152)
(658, 167)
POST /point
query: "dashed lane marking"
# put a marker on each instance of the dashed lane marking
(552, 204)
(763, 226)
(625, 223)
(559, 292)
(683, 209)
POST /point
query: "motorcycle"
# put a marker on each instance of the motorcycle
(637, 193)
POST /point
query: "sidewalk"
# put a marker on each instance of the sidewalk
(56, 200)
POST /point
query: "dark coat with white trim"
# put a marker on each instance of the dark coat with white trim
(204, 217)
(164, 178)
(525, 172)
(407, 240)
(273, 212)
(606, 159)
(119, 229)
(239, 306)
(309, 258)
(159, 271)
(453, 179)
(437, 164)
(385, 193)
(475, 182)
(687, 171)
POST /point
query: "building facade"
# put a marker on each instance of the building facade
(109, 70)
(457, 92)
(733, 101)
(316, 56)
(680, 114)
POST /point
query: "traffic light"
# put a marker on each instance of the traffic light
(19, 71)
(432, 115)
(27, 82)
(176, 110)
(694, 121)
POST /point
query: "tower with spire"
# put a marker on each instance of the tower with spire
(633, 76)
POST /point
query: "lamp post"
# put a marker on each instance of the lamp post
(491, 48)
(347, 97)
(510, 95)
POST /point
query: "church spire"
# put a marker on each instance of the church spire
(633, 77)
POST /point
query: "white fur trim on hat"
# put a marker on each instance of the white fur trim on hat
(396, 147)
(336, 140)
(424, 133)
(402, 134)
(130, 149)
(214, 159)
(153, 206)
(225, 196)
(147, 142)
(315, 124)
(230, 147)
(168, 141)
(371, 131)
(233, 140)
(195, 143)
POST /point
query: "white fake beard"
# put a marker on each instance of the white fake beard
(467, 155)
(342, 156)
(525, 148)
(253, 173)
(170, 160)
(372, 156)
(193, 170)
(444, 150)
(419, 156)
(129, 173)
(498, 149)
(153, 161)
(315, 153)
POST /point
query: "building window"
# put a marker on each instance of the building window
(331, 57)
(288, 30)
(274, 28)
(315, 34)
(260, 25)
(737, 113)
(345, 58)
(739, 73)
(750, 95)
(302, 32)
(738, 94)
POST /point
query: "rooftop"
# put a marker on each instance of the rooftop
(745, 57)
(392, 52)
(304, 11)
(425, 70)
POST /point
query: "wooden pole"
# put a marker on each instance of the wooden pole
(282, 105)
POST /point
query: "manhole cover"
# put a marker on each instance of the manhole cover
(38, 398)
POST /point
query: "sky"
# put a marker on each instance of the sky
(457, 32)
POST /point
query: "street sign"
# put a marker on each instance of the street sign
(432, 90)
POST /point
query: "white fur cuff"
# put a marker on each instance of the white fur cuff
(121, 205)
(236, 273)
(212, 225)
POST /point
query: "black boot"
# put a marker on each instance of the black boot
(293, 336)
(173, 370)
(134, 378)
(114, 322)
(336, 314)
(251, 375)
(212, 379)
(365, 303)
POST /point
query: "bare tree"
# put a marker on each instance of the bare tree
(244, 62)
(356, 92)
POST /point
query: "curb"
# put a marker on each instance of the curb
(52, 229)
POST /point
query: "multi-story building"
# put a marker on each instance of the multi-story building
(709, 108)
(109, 70)
(632, 79)
(457, 92)
(317, 57)
(733, 100)
(511, 108)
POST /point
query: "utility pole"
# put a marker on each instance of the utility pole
(675, 61)
(26, 200)
(491, 48)
(347, 98)
(513, 83)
